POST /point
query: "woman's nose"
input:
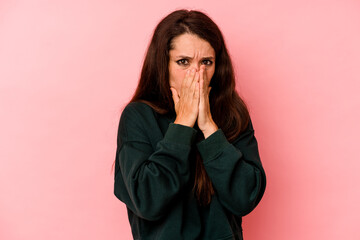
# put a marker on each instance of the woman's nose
(196, 67)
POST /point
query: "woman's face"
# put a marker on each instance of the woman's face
(189, 51)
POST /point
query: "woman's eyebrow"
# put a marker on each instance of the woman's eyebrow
(183, 56)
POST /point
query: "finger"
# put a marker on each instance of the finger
(175, 95)
(185, 80)
(201, 82)
(195, 81)
(205, 77)
(197, 92)
(206, 81)
(196, 78)
(190, 78)
(183, 83)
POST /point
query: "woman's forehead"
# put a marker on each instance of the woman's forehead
(191, 46)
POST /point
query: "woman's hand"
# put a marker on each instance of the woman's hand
(187, 102)
(204, 119)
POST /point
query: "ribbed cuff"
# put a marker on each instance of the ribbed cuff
(180, 134)
(210, 147)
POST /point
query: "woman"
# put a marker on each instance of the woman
(187, 163)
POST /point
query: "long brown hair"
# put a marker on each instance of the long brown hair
(154, 88)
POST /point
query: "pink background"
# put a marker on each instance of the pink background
(68, 67)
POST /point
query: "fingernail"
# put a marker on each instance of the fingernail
(193, 70)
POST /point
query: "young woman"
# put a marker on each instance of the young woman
(187, 163)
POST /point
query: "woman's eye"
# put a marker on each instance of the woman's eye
(207, 62)
(182, 62)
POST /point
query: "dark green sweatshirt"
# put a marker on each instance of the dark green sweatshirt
(154, 176)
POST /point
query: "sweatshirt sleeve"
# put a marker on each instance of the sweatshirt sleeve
(149, 179)
(235, 170)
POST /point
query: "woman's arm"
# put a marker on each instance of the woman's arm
(148, 180)
(235, 170)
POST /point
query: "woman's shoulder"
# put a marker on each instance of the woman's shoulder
(139, 114)
(140, 122)
(134, 119)
(137, 106)
(137, 110)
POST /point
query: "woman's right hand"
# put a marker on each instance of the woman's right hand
(187, 102)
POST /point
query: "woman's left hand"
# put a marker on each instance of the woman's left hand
(205, 122)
